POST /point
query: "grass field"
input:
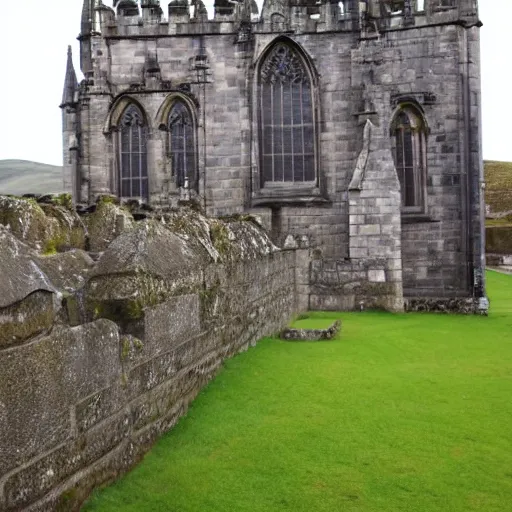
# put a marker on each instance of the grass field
(407, 413)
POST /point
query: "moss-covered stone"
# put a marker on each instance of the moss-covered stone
(220, 237)
(26, 220)
(232, 238)
(20, 275)
(67, 271)
(47, 227)
(106, 223)
(26, 319)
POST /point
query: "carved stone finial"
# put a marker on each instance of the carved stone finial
(408, 13)
(276, 13)
(70, 82)
(200, 12)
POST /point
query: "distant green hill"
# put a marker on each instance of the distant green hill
(24, 177)
(498, 189)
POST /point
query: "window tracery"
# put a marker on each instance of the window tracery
(133, 164)
(287, 131)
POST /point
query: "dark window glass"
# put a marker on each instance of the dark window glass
(125, 188)
(133, 168)
(182, 145)
(286, 131)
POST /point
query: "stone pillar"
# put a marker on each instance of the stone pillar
(95, 148)
(69, 142)
(476, 179)
(244, 55)
(375, 220)
(301, 247)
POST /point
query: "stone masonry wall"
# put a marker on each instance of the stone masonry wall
(118, 348)
(431, 59)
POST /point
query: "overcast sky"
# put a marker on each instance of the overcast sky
(33, 45)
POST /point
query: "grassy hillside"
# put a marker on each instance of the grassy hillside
(498, 192)
(24, 177)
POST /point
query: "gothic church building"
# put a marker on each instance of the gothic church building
(351, 127)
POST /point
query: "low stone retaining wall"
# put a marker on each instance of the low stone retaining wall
(499, 260)
(338, 285)
(291, 334)
(97, 362)
(463, 305)
(498, 240)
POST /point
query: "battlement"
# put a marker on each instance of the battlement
(147, 18)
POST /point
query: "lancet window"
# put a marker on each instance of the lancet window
(409, 141)
(133, 161)
(182, 145)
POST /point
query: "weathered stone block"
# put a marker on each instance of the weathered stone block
(369, 229)
(99, 406)
(23, 320)
(345, 302)
(171, 323)
(25, 486)
(67, 271)
(108, 221)
(44, 227)
(59, 370)
(291, 334)
(376, 276)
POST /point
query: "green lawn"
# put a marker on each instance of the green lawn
(401, 413)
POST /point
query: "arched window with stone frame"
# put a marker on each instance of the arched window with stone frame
(287, 118)
(409, 144)
(132, 156)
(182, 144)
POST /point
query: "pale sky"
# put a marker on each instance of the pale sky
(33, 44)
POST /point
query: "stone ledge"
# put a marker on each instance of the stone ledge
(290, 334)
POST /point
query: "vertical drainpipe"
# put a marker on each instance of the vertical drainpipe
(478, 184)
(203, 49)
(89, 192)
(465, 185)
(473, 188)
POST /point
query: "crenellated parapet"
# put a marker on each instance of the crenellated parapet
(132, 18)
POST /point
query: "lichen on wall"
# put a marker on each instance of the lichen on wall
(101, 351)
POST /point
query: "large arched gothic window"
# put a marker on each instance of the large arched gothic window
(182, 145)
(408, 132)
(133, 160)
(287, 130)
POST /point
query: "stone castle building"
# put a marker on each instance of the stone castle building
(352, 128)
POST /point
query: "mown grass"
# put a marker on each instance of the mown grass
(405, 413)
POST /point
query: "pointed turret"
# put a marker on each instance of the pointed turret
(70, 114)
(90, 18)
(70, 82)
